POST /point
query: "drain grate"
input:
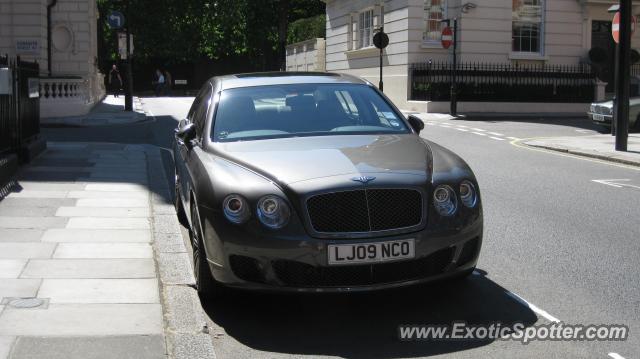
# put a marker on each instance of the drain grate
(23, 303)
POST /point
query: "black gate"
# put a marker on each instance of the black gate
(19, 110)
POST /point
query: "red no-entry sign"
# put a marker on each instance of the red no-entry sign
(447, 37)
(615, 27)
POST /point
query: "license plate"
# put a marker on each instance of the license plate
(599, 118)
(341, 254)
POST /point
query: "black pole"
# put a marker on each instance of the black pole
(622, 87)
(454, 99)
(381, 84)
(616, 78)
(49, 42)
(128, 92)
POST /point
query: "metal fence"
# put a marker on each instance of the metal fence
(503, 82)
(19, 110)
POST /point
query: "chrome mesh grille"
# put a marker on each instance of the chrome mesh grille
(365, 210)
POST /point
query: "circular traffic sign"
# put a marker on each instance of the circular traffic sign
(115, 19)
(447, 37)
(380, 40)
(615, 27)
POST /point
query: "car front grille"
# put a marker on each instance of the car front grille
(297, 274)
(365, 210)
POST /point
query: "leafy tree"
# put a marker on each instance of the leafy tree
(307, 28)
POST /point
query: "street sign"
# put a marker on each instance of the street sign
(122, 44)
(447, 37)
(115, 19)
(615, 27)
(380, 40)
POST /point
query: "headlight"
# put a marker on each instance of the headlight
(236, 209)
(273, 211)
(444, 199)
(593, 108)
(468, 194)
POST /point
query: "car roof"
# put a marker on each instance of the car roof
(284, 78)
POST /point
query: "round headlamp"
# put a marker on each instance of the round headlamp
(273, 211)
(444, 199)
(468, 194)
(236, 209)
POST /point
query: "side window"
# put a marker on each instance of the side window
(199, 109)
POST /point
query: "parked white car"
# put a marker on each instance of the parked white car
(601, 113)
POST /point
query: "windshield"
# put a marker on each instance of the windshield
(259, 112)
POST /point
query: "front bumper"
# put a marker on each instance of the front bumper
(600, 119)
(240, 259)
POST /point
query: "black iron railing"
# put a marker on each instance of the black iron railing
(503, 82)
(19, 110)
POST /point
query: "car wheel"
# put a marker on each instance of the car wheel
(205, 284)
(177, 202)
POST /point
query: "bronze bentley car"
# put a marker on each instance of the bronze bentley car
(317, 182)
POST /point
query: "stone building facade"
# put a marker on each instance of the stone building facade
(70, 82)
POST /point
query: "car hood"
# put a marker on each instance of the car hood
(291, 160)
(635, 101)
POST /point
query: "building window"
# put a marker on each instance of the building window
(434, 13)
(528, 26)
(365, 29)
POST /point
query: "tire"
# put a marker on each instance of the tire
(205, 284)
(177, 202)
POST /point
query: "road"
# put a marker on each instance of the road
(558, 245)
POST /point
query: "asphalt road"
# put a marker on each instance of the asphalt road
(557, 246)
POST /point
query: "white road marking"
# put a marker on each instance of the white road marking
(496, 138)
(478, 133)
(478, 129)
(462, 126)
(430, 123)
(496, 134)
(514, 138)
(585, 131)
(462, 129)
(616, 356)
(615, 183)
(535, 309)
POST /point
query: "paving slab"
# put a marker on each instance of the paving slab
(11, 268)
(83, 320)
(601, 147)
(124, 212)
(20, 235)
(111, 347)
(106, 195)
(96, 235)
(112, 202)
(97, 291)
(27, 250)
(108, 223)
(19, 287)
(6, 342)
(38, 194)
(103, 250)
(115, 187)
(37, 202)
(39, 186)
(33, 222)
(89, 268)
(27, 212)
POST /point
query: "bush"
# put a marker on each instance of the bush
(305, 29)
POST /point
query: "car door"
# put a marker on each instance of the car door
(190, 153)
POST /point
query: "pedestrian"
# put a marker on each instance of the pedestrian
(115, 81)
(159, 83)
(168, 82)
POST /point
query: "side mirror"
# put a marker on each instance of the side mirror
(186, 133)
(416, 123)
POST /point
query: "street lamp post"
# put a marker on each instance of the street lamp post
(128, 93)
(624, 72)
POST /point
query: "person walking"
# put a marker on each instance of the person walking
(115, 81)
(160, 83)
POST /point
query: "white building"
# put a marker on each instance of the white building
(490, 31)
(70, 83)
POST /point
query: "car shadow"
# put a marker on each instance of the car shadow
(365, 324)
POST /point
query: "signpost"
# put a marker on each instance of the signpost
(381, 40)
(622, 29)
(615, 27)
(447, 34)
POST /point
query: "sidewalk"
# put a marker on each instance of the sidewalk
(108, 112)
(485, 116)
(92, 262)
(596, 146)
